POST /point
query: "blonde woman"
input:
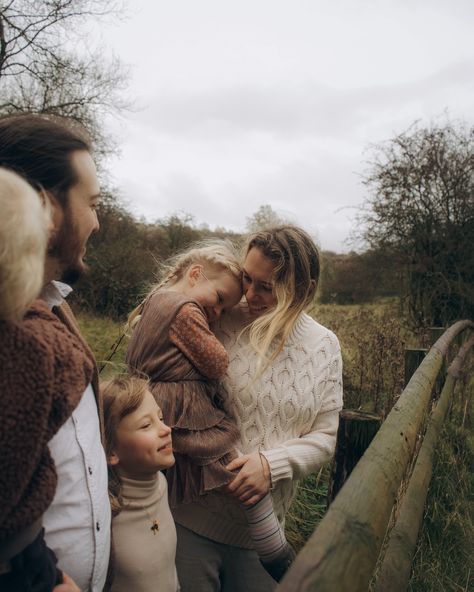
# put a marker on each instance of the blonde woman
(284, 388)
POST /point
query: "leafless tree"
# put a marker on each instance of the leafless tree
(264, 217)
(47, 66)
(420, 209)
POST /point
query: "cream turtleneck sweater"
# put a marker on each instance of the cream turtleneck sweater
(290, 415)
(144, 559)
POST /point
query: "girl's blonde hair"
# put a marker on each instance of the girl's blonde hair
(211, 254)
(122, 395)
(295, 280)
(24, 227)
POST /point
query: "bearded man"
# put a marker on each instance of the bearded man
(54, 155)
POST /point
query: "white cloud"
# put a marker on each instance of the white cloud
(248, 103)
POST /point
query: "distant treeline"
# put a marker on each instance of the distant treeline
(417, 222)
(124, 259)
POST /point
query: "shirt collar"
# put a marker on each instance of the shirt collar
(55, 293)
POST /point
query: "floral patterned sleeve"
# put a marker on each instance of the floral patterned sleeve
(190, 333)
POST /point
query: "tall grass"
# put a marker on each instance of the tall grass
(373, 338)
(308, 508)
(373, 341)
(102, 334)
(444, 559)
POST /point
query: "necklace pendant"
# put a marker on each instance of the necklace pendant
(155, 527)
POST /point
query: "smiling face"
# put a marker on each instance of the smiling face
(214, 288)
(142, 442)
(77, 220)
(257, 281)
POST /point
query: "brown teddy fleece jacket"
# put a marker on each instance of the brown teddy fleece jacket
(44, 371)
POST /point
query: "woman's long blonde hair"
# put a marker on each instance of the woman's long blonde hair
(122, 395)
(295, 281)
(220, 254)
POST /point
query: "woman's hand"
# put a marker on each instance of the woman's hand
(67, 586)
(252, 481)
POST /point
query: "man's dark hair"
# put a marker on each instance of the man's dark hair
(38, 147)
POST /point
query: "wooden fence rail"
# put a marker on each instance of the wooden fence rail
(343, 551)
(394, 573)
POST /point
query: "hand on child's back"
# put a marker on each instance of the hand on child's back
(252, 481)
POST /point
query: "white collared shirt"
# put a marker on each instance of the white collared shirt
(77, 523)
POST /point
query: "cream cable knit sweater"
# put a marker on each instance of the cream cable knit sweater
(290, 415)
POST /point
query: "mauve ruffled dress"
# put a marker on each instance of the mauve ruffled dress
(173, 345)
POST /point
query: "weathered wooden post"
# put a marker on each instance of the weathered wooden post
(355, 433)
(434, 333)
(413, 358)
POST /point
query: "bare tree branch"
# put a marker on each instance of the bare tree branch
(38, 74)
(420, 207)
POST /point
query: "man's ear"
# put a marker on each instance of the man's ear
(113, 459)
(56, 212)
(194, 273)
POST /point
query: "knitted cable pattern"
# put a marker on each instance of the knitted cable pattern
(290, 414)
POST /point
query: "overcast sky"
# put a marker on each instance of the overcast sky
(240, 103)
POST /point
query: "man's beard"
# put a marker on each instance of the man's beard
(72, 274)
(65, 248)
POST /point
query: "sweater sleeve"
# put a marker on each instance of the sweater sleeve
(190, 333)
(71, 368)
(43, 375)
(297, 457)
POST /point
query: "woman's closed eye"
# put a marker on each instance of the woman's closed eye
(258, 286)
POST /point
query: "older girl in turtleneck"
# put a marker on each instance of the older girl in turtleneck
(138, 447)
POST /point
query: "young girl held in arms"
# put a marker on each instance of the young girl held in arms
(138, 447)
(173, 345)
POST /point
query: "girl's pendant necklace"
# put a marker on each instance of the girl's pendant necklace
(155, 525)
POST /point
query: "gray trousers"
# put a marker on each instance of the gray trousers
(206, 566)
